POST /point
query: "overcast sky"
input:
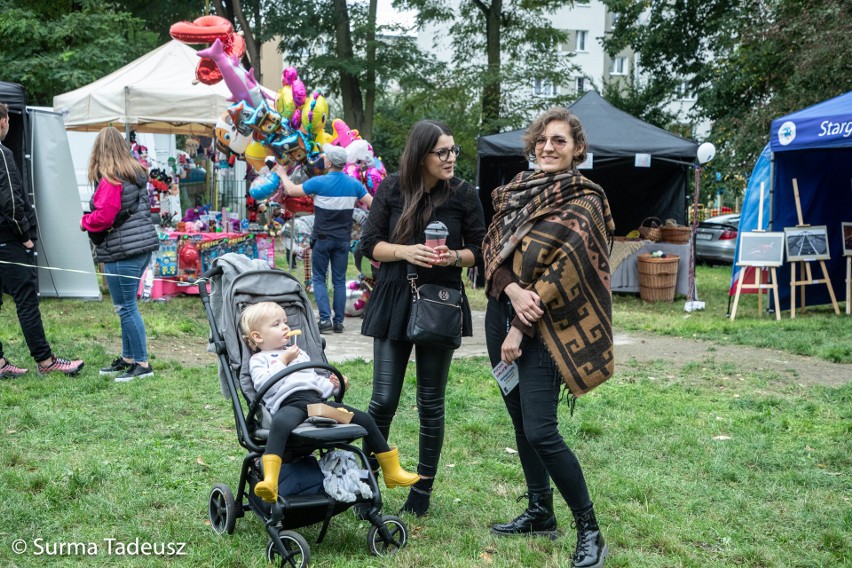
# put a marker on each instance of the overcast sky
(386, 14)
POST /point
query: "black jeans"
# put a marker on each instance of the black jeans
(294, 411)
(432, 364)
(532, 407)
(21, 282)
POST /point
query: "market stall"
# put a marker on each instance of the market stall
(184, 256)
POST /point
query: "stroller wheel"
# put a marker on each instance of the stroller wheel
(389, 538)
(298, 554)
(222, 509)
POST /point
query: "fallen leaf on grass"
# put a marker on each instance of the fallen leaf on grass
(451, 465)
(200, 461)
(721, 437)
(511, 451)
(11, 431)
(486, 558)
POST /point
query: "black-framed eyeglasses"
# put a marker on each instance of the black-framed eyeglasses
(557, 142)
(444, 153)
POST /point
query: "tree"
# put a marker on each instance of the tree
(501, 47)
(57, 46)
(339, 47)
(748, 62)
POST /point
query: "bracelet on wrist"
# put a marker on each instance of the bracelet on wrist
(395, 249)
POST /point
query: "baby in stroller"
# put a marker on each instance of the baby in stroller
(236, 284)
(265, 331)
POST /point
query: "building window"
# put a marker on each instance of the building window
(682, 91)
(618, 66)
(562, 47)
(580, 84)
(544, 88)
(581, 40)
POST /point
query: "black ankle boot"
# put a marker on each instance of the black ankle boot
(418, 497)
(537, 520)
(591, 548)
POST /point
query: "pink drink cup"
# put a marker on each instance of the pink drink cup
(436, 234)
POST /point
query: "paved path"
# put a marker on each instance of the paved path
(628, 346)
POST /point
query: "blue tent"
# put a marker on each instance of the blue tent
(814, 147)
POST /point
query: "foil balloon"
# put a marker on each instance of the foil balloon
(343, 135)
(229, 137)
(357, 296)
(291, 95)
(264, 122)
(241, 83)
(264, 185)
(255, 155)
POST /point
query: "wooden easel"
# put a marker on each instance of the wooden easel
(805, 268)
(848, 285)
(771, 284)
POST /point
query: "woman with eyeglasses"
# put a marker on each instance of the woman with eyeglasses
(424, 190)
(549, 314)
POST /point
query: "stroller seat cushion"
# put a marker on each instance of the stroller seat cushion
(307, 433)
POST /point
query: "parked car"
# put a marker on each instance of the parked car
(716, 238)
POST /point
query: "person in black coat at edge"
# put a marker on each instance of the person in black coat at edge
(424, 190)
(18, 273)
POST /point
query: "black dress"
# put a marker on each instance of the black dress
(386, 316)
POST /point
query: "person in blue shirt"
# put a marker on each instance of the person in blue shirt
(335, 196)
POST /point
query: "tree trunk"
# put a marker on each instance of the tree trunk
(353, 106)
(491, 85)
(370, 86)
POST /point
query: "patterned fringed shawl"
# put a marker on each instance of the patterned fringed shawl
(558, 229)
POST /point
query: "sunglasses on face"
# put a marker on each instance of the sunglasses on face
(557, 142)
(444, 153)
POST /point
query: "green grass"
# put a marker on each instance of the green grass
(87, 459)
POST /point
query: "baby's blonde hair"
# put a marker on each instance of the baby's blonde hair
(253, 316)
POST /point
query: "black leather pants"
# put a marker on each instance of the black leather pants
(432, 364)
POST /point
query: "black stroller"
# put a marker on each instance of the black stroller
(237, 285)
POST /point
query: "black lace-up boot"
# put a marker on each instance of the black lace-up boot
(591, 548)
(537, 520)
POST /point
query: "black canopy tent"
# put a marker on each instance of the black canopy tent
(615, 138)
(15, 97)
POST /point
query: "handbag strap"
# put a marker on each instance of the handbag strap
(411, 275)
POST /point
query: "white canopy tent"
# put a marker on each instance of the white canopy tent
(157, 93)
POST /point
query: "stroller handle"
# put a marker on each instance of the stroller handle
(201, 283)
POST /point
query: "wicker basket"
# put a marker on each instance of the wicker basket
(657, 278)
(649, 229)
(676, 235)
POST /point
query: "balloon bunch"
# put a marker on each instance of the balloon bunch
(288, 126)
(290, 129)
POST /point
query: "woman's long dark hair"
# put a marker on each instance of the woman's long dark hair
(417, 205)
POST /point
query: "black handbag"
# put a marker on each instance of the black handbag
(435, 317)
